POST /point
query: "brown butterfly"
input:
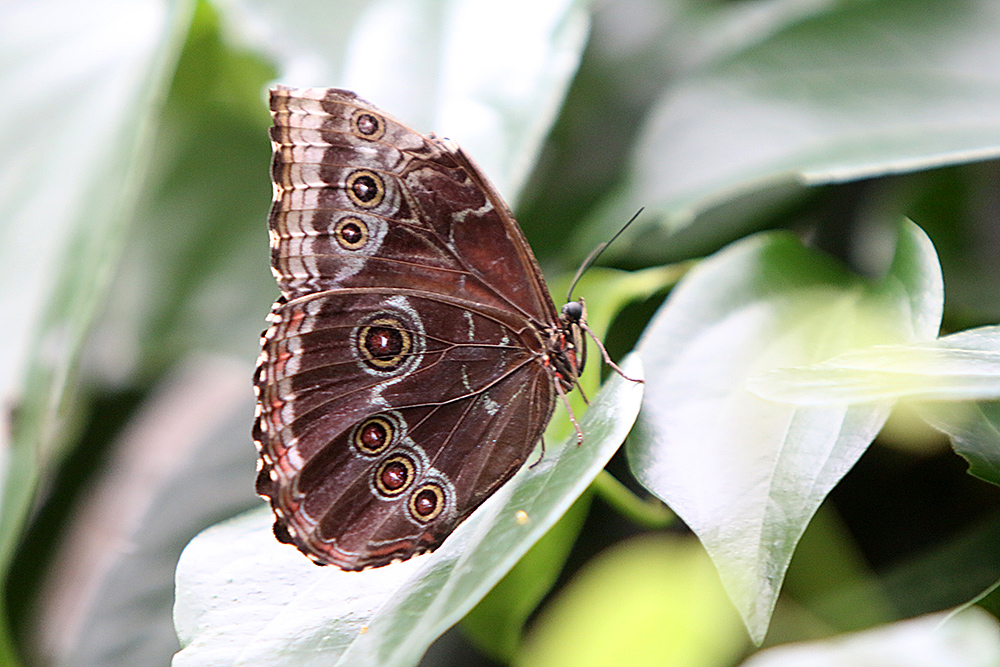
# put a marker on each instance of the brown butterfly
(414, 356)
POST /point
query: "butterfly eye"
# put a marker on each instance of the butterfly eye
(374, 435)
(351, 233)
(365, 188)
(394, 475)
(573, 311)
(384, 344)
(367, 125)
(427, 502)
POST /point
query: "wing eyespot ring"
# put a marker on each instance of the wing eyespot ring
(427, 502)
(351, 233)
(374, 435)
(385, 344)
(365, 188)
(367, 125)
(395, 475)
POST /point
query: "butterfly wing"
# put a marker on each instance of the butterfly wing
(359, 432)
(363, 201)
(404, 377)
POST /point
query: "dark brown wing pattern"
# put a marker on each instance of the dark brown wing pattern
(408, 371)
(422, 214)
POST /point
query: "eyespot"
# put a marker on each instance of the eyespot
(367, 125)
(351, 233)
(365, 188)
(374, 435)
(394, 475)
(391, 341)
(384, 343)
(427, 502)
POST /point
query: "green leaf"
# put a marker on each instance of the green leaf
(747, 474)
(962, 366)
(495, 624)
(974, 430)
(652, 600)
(970, 638)
(77, 141)
(438, 65)
(243, 598)
(766, 96)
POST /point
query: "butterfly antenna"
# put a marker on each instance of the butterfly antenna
(596, 252)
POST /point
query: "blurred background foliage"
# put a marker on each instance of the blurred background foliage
(134, 323)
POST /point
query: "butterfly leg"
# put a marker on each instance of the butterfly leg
(541, 453)
(606, 356)
(572, 416)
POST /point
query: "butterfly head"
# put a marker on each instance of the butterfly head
(568, 348)
(574, 311)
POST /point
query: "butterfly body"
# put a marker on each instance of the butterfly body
(414, 356)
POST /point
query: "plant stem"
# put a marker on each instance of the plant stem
(649, 512)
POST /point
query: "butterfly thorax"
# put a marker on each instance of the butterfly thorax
(566, 346)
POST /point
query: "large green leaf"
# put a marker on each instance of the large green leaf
(85, 83)
(490, 75)
(243, 598)
(744, 473)
(771, 95)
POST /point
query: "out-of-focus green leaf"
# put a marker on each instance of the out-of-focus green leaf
(959, 367)
(654, 600)
(89, 80)
(774, 95)
(85, 83)
(964, 366)
(490, 75)
(970, 638)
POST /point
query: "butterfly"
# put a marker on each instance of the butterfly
(414, 357)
